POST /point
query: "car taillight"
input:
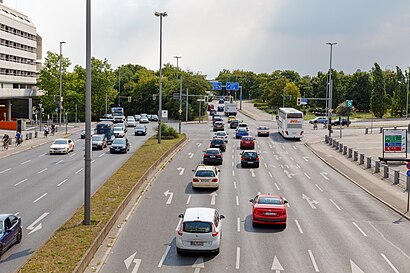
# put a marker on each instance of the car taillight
(195, 180)
(214, 180)
(219, 155)
(180, 231)
(205, 155)
(257, 158)
(243, 158)
(214, 234)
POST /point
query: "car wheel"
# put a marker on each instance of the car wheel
(135, 134)
(179, 251)
(19, 236)
(217, 251)
(284, 226)
(242, 165)
(254, 224)
(111, 152)
(257, 165)
(1, 250)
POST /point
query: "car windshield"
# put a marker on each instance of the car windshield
(97, 137)
(221, 134)
(270, 200)
(243, 125)
(217, 141)
(212, 152)
(249, 155)
(197, 227)
(140, 127)
(60, 141)
(241, 130)
(119, 141)
(263, 128)
(116, 129)
(205, 173)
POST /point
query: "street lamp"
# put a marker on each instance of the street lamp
(61, 82)
(180, 95)
(160, 15)
(330, 84)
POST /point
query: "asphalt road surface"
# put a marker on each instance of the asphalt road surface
(333, 226)
(45, 190)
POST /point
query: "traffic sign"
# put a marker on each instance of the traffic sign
(216, 85)
(303, 101)
(408, 165)
(232, 86)
(176, 96)
(395, 140)
(164, 114)
(408, 173)
(349, 103)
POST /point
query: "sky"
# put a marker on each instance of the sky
(211, 35)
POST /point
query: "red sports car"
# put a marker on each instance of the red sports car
(269, 209)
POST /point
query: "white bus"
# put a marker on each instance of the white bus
(290, 123)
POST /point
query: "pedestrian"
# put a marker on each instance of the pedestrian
(315, 125)
(46, 131)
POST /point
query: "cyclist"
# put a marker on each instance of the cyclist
(53, 129)
(19, 139)
(5, 140)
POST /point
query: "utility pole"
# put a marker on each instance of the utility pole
(330, 90)
(61, 82)
(180, 95)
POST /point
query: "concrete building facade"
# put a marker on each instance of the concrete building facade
(20, 64)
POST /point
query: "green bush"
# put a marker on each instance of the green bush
(167, 132)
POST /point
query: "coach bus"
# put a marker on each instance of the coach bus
(290, 123)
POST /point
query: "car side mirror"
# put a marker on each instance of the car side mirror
(181, 216)
(221, 217)
(285, 201)
(219, 171)
(251, 200)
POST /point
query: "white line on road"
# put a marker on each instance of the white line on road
(313, 260)
(324, 175)
(35, 201)
(73, 154)
(294, 147)
(27, 161)
(238, 257)
(101, 155)
(179, 224)
(165, 255)
(239, 224)
(291, 158)
(297, 224)
(233, 173)
(189, 199)
(59, 161)
(181, 170)
(389, 263)
(282, 166)
(232, 156)
(307, 175)
(262, 157)
(6, 170)
(43, 170)
(41, 155)
(233, 164)
(92, 161)
(137, 265)
(277, 186)
(270, 174)
(364, 234)
(334, 203)
(22, 181)
(62, 182)
(317, 186)
(266, 165)
(287, 166)
(234, 184)
(78, 171)
(237, 200)
(233, 150)
(297, 165)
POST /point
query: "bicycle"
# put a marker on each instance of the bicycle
(5, 144)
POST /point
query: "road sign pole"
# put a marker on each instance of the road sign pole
(180, 104)
(240, 98)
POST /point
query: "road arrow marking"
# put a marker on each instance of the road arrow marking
(199, 263)
(276, 157)
(34, 227)
(199, 144)
(191, 155)
(252, 172)
(306, 158)
(276, 265)
(171, 194)
(181, 170)
(290, 175)
(129, 260)
(311, 202)
(213, 197)
(355, 268)
(324, 175)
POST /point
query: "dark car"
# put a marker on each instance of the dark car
(99, 141)
(344, 122)
(210, 107)
(154, 118)
(212, 112)
(212, 156)
(219, 126)
(140, 130)
(120, 145)
(250, 159)
(220, 108)
(234, 124)
(218, 143)
(221, 101)
(10, 231)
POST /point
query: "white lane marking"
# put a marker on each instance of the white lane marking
(287, 166)
(22, 181)
(62, 182)
(317, 186)
(355, 268)
(297, 165)
(41, 155)
(234, 184)
(165, 255)
(291, 158)
(312, 203)
(17, 213)
(312, 258)
(324, 175)
(238, 224)
(73, 154)
(232, 156)
(179, 224)
(389, 263)
(101, 155)
(307, 175)
(199, 263)
(287, 204)
(233, 173)
(191, 155)
(262, 157)
(6, 170)
(233, 150)
(334, 203)
(78, 171)
(290, 175)
(306, 158)
(299, 227)
(171, 194)
(276, 266)
(294, 147)
(38, 199)
(276, 157)
(59, 161)
(181, 170)
(233, 164)
(282, 166)
(34, 228)
(238, 257)
(237, 200)
(364, 234)
(137, 265)
(277, 186)
(252, 172)
(43, 170)
(189, 199)
(199, 144)
(283, 147)
(27, 161)
(270, 174)
(270, 146)
(266, 165)
(213, 198)
(92, 161)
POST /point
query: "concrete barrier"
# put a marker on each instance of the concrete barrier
(349, 152)
(385, 171)
(366, 131)
(340, 147)
(337, 145)
(344, 150)
(368, 162)
(355, 155)
(396, 179)
(381, 130)
(408, 183)
(361, 159)
(377, 166)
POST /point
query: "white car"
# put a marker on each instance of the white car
(118, 132)
(222, 135)
(144, 119)
(131, 121)
(61, 146)
(200, 230)
(205, 176)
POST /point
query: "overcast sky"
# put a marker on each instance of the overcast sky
(210, 35)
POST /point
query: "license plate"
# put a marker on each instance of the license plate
(250, 162)
(212, 156)
(204, 180)
(117, 149)
(197, 243)
(270, 213)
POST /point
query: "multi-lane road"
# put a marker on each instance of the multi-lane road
(333, 226)
(45, 190)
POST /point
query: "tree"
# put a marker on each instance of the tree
(379, 100)
(399, 99)
(359, 89)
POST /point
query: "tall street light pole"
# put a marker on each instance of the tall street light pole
(180, 95)
(407, 95)
(160, 15)
(61, 83)
(330, 90)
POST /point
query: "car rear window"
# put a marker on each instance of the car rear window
(247, 138)
(217, 141)
(197, 227)
(205, 173)
(243, 125)
(60, 141)
(249, 155)
(263, 128)
(270, 200)
(212, 152)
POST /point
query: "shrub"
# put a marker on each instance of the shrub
(167, 132)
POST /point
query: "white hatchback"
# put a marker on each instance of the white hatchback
(200, 230)
(61, 146)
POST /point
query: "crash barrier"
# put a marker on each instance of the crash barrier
(366, 131)
(385, 172)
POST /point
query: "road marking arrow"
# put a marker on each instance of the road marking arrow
(171, 194)
(311, 202)
(129, 260)
(355, 268)
(181, 170)
(324, 175)
(199, 144)
(252, 172)
(290, 175)
(276, 265)
(199, 263)
(191, 155)
(306, 158)
(34, 227)
(276, 157)
(213, 197)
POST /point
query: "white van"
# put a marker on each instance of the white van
(200, 230)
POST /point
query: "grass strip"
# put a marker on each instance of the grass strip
(66, 247)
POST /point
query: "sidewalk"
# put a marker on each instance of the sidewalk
(254, 113)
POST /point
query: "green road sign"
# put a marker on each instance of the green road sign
(349, 103)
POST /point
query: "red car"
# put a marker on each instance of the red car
(269, 209)
(210, 107)
(247, 142)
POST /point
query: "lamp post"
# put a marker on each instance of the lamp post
(160, 15)
(180, 95)
(329, 114)
(407, 94)
(61, 82)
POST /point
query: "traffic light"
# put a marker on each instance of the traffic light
(299, 101)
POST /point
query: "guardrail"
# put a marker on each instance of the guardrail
(384, 171)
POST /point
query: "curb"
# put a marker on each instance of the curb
(246, 114)
(357, 184)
